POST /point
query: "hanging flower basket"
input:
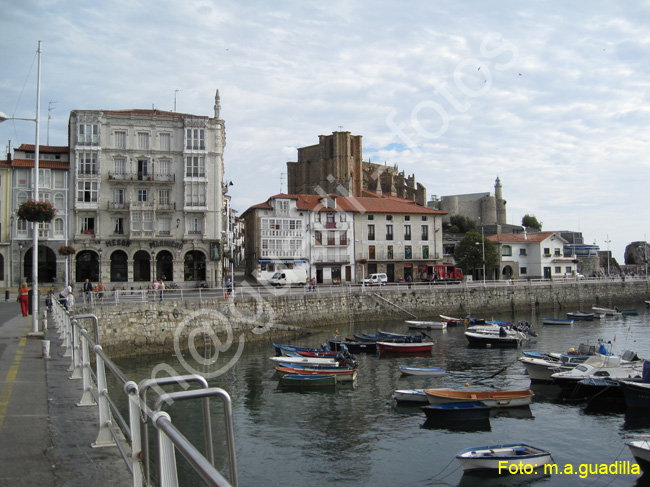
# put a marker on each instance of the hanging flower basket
(67, 250)
(36, 211)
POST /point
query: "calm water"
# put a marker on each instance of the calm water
(357, 436)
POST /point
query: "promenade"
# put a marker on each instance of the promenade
(45, 439)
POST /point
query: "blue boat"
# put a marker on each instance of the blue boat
(280, 349)
(461, 411)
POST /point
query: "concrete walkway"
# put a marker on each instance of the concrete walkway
(45, 439)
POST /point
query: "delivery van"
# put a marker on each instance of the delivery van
(289, 277)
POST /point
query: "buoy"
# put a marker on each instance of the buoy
(466, 384)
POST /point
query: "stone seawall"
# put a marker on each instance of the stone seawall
(133, 329)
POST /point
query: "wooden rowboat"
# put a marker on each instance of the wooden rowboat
(493, 399)
(427, 371)
(307, 380)
(347, 375)
(405, 347)
(426, 325)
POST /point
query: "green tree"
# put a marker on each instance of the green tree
(463, 223)
(469, 254)
(529, 221)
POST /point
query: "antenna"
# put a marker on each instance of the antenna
(282, 174)
(50, 107)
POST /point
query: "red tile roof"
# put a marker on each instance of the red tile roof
(42, 164)
(56, 149)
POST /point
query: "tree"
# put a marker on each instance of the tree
(469, 253)
(463, 223)
(529, 221)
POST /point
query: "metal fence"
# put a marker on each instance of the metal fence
(130, 435)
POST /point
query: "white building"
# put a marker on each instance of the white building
(534, 256)
(147, 199)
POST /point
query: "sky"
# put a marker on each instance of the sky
(549, 96)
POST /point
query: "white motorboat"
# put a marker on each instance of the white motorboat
(606, 311)
(599, 367)
(307, 360)
(498, 458)
(640, 449)
(411, 396)
(495, 335)
(426, 371)
(541, 369)
(426, 325)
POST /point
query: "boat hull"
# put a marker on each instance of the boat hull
(410, 396)
(427, 325)
(466, 411)
(637, 394)
(300, 381)
(498, 458)
(423, 371)
(341, 376)
(404, 347)
(640, 450)
(484, 339)
(557, 321)
(493, 399)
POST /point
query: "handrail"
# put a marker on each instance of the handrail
(78, 343)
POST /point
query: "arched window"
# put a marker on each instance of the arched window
(119, 266)
(194, 266)
(506, 251)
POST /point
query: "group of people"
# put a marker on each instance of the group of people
(159, 285)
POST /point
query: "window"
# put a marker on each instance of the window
(558, 270)
(343, 238)
(371, 252)
(88, 134)
(425, 251)
(506, 251)
(59, 179)
(87, 163)
(407, 218)
(143, 140)
(408, 252)
(523, 271)
(164, 167)
(547, 252)
(23, 178)
(371, 232)
(165, 141)
(194, 194)
(143, 169)
(120, 140)
(118, 226)
(389, 218)
(195, 225)
(87, 225)
(330, 217)
(371, 217)
(87, 191)
(119, 166)
(407, 232)
(424, 218)
(163, 197)
(331, 238)
(195, 139)
(164, 226)
(142, 221)
(195, 166)
(283, 207)
(21, 227)
(522, 251)
(389, 232)
(425, 232)
(318, 236)
(118, 196)
(58, 227)
(44, 178)
(342, 216)
(143, 195)
(389, 252)
(568, 270)
(59, 201)
(558, 253)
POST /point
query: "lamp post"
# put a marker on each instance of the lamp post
(99, 278)
(153, 265)
(36, 120)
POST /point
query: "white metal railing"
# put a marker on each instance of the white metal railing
(112, 425)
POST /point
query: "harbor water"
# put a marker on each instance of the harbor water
(356, 435)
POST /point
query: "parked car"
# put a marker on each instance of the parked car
(375, 280)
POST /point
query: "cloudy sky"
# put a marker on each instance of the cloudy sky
(550, 96)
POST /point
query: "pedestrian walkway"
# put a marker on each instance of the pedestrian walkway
(45, 439)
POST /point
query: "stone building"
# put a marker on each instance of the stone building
(335, 166)
(147, 195)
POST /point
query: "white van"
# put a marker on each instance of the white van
(376, 280)
(289, 277)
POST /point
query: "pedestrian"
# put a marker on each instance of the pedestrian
(101, 289)
(313, 284)
(156, 287)
(228, 286)
(161, 286)
(88, 291)
(23, 298)
(66, 296)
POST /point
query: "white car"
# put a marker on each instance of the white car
(375, 280)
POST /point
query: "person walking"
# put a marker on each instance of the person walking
(161, 286)
(65, 295)
(23, 298)
(88, 291)
(156, 287)
(101, 289)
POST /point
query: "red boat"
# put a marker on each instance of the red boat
(405, 347)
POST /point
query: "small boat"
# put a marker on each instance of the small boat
(341, 375)
(495, 335)
(598, 366)
(637, 393)
(331, 362)
(354, 346)
(313, 366)
(556, 321)
(404, 347)
(541, 369)
(640, 449)
(426, 325)
(493, 399)
(498, 458)
(410, 396)
(462, 321)
(282, 349)
(464, 411)
(606, 311)
(428, 371)
(307, 380)
(581, 315)
(630, 312)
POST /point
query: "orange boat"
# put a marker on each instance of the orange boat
(493, 399)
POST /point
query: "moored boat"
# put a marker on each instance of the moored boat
(462, 321)
(404, 347)
(581, 315)
(598, 366)
(637, 393)
(411, 396)
(426, 371)
(640, 449)
(630, 312)
(307, 380)
(465, 411)
(493, 399)
(426, 325)
(331, 362)
(354, 346)
(499, 457)
(606, 311)
(341, 375)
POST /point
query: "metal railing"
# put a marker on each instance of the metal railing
(131, 436)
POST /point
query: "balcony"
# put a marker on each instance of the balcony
(113, 206)
(140, 177)
(332, 259)
(330, 225)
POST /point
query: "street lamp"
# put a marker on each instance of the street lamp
(36, 120)
(99, 278)
(153, 264)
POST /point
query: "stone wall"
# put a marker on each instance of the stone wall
(158, 327)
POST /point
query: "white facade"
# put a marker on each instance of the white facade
(146, 196)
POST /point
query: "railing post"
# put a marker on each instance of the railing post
(166, 455)
(87, 398)
(104, 437)
(134, 423)
(76, 356)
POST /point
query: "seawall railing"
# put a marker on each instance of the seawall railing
(130, 435)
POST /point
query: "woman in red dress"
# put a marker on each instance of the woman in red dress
(23, 298)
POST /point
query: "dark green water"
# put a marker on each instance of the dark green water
(357, 436)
